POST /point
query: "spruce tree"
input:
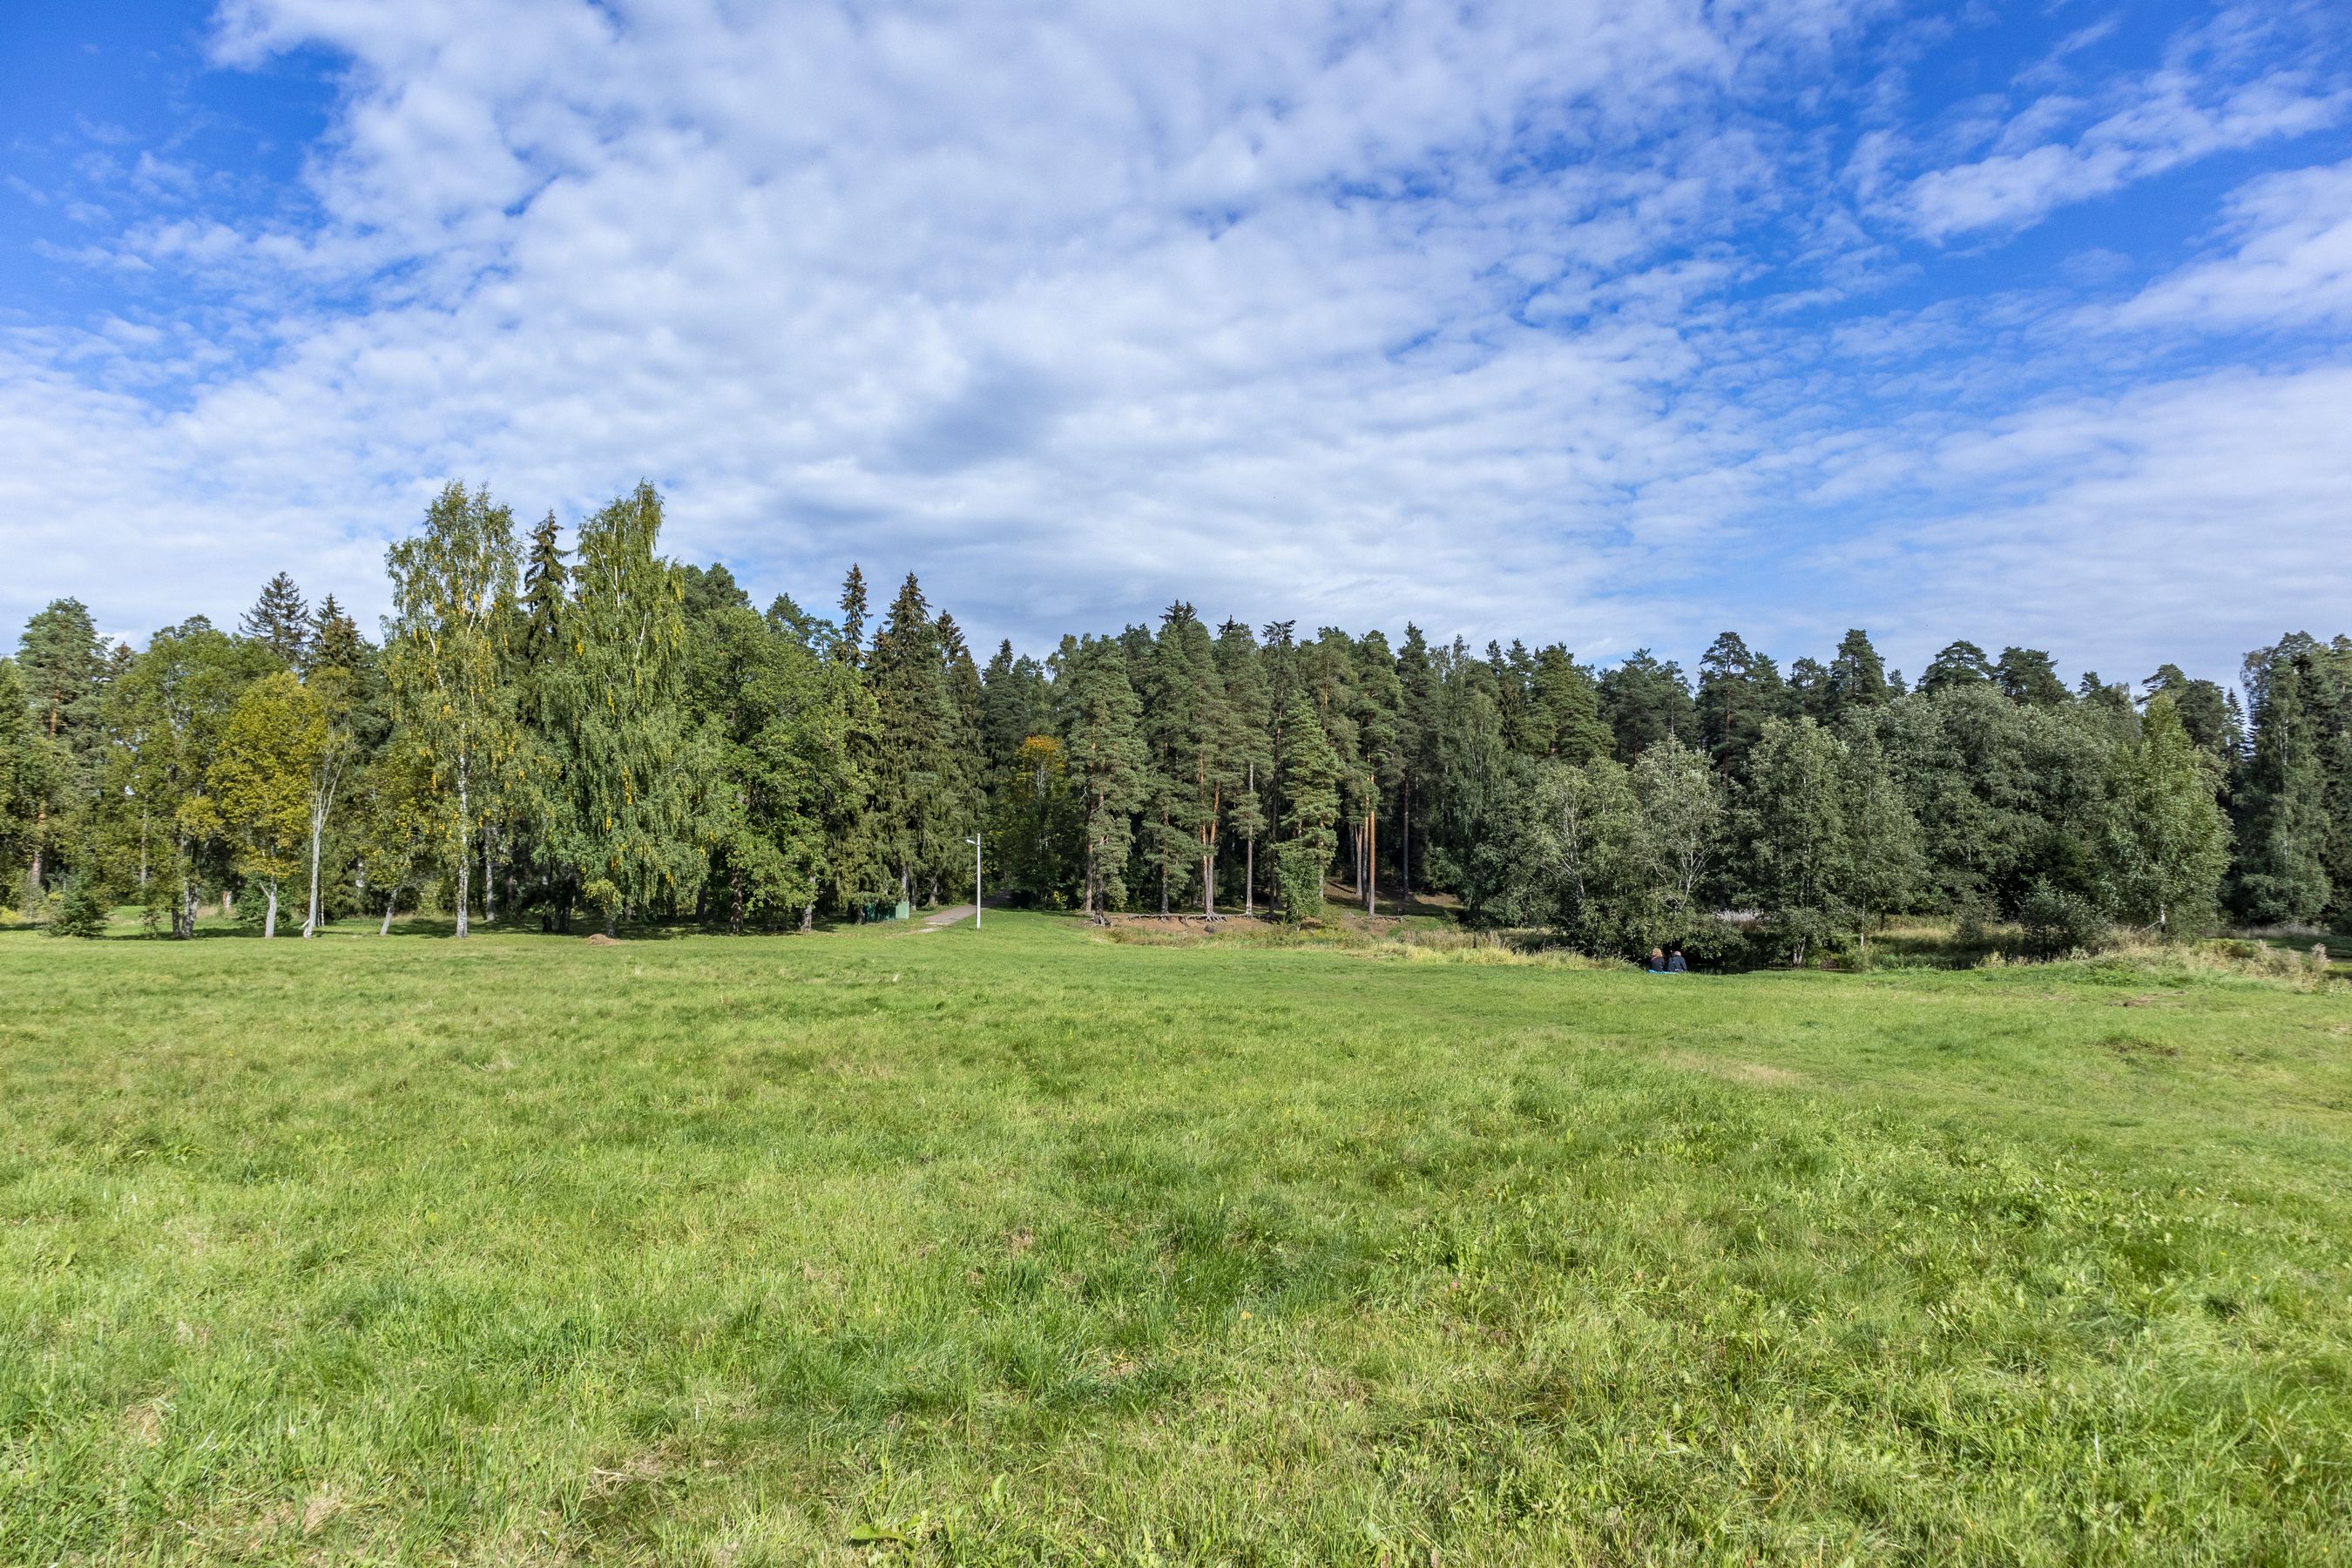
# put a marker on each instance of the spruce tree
(279, 620)
(850, 646)
(544, 579)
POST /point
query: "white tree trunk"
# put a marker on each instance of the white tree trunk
(318, 832)
(390, 900)
(269, 914)
(464, 846)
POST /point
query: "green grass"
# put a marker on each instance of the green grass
(1023, 1246)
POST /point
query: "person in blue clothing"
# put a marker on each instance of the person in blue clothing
(1658, 960)
(1674, 965)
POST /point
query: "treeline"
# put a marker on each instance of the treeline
(603, 735)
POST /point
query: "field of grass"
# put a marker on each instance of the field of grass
(1025, 1245)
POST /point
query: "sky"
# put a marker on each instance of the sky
(1614, 323)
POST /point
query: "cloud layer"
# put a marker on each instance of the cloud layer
(1555, 320)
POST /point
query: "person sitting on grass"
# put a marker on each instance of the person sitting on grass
(1674, 965)
(1658, 960)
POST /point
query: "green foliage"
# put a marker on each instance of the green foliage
(1298, 867)
(2057, 921)
(629, 778)
(82, 912)
(2171, 842)
(446, 664)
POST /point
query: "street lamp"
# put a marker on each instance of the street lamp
(974, 842)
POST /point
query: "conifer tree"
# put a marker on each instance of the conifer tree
(1248, 703)
(333, 641)
(60, 668)
(279, 620)
(1960, 664)
(1738, 691)
(544, 580)
(2027, 675)
(850, 646)
(1098, 713)
(1643, 700)
(1857, 675)
(1311, 779)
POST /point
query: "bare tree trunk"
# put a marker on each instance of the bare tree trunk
(32, 882)
(1249, 877)
(735, 902)
(1404, 844)
(269, 913)
(464, 846)
(1371, 862)
(808, 918)
(390, 900)
(490, 876)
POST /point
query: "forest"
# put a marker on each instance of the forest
(575, 738)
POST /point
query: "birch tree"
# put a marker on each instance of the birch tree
(445, 665)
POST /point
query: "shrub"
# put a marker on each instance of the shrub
(2057, 921)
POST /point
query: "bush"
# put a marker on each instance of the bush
(82, 912)
(2058, 921)
(1298, 878)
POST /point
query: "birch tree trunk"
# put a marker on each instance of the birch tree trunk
(465, 844)
(390, 900)
(270, 912)
(318, 832)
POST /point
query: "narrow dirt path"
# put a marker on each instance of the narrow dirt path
(938, 919)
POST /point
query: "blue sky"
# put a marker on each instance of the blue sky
(1616, 323)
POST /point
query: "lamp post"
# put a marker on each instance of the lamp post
(974, 842)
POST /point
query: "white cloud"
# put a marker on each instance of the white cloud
(1345, 312)
(2292, 266)
(2211, 95)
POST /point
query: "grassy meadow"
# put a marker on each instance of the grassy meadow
(1027, 1246)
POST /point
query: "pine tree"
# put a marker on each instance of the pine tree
(1100, 714)
(60, 667)
(1739, 690)
(1248, 702)
(1857, 675)
(1960, 664)
(2027, 675)
(279, 620)
(1644, 700)
(2204, 709)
